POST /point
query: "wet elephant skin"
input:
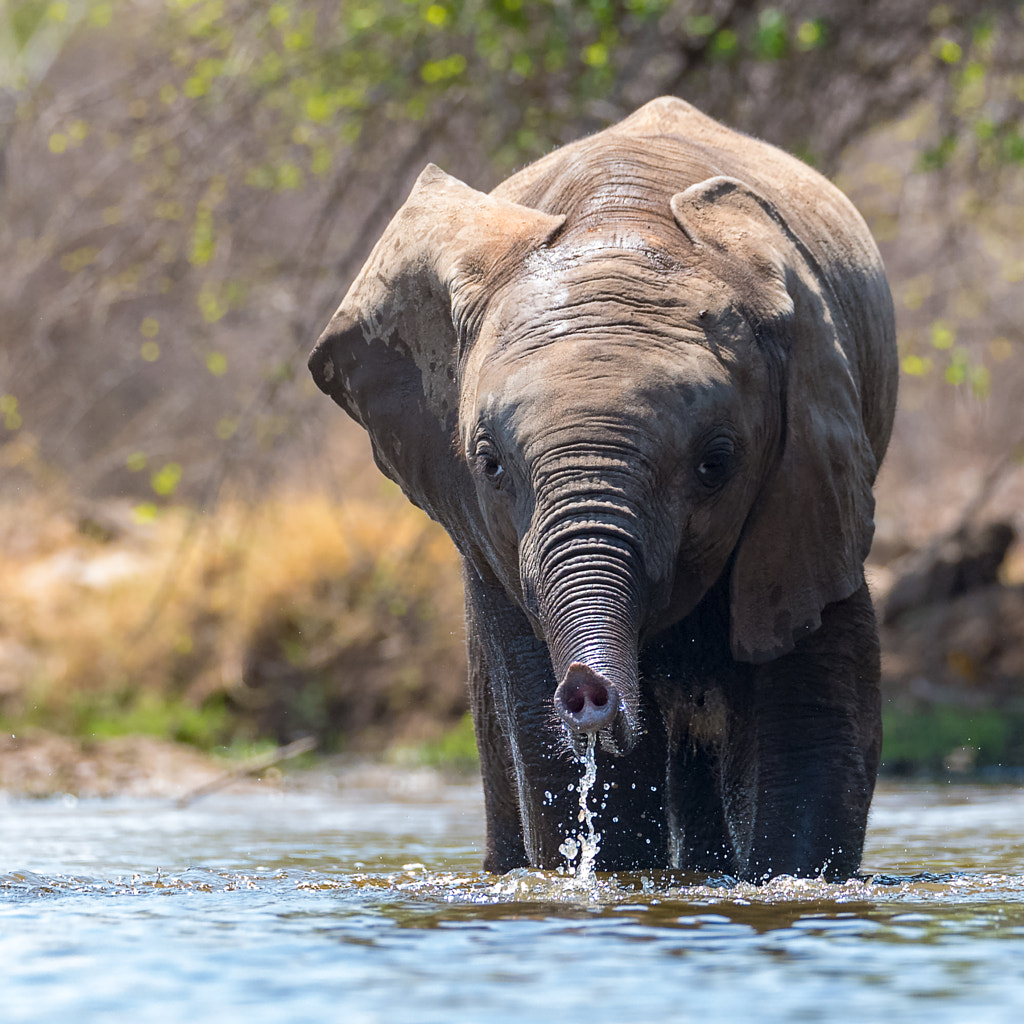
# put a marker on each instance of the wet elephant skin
(646, 385)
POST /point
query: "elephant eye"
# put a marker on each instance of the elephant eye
(492, 469)
(489, 465)
(716, 462)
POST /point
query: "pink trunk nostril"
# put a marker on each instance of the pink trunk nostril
(584, 699)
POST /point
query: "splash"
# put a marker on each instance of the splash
(586, 843)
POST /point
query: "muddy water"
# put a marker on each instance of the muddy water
(360, 899)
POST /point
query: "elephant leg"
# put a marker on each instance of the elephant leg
(817, 719)
(699, 840)
(522, 755)
(696, 685)
(531, 778)
(504, 848)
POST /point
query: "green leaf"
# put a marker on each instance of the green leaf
(166, 479)
(935, 158)
(9, 411)
(443, 70)
(916, 366)
(942, 335)
(216, 363)
(948, 51)
(724, 44)
(980, 380)
(437, 16)
(595, 55)
(810, 35)
(145, 512)
(1013, 147)
(958, 369)
(701, 25)
(771, 39)
(204, 239)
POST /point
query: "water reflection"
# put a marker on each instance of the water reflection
(368, 899)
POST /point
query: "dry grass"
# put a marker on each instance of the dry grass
(298, 615)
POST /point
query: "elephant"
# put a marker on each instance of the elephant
(646, 384)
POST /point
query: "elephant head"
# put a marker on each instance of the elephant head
(609, 413)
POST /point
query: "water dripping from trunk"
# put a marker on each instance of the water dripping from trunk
(586, 843)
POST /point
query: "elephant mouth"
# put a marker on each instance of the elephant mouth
(587, 702)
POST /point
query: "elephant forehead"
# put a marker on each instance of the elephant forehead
(603, 335)
(602, 285)
(644, 247)
(611, 296)
(609, 323)
(599, 382)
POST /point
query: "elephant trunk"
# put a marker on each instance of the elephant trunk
(589, 605)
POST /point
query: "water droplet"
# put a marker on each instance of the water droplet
(587, 843)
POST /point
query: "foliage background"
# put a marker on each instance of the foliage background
(186, 189)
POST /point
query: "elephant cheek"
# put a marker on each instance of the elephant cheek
(688, 590)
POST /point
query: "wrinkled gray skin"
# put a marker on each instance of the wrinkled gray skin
(646, 384)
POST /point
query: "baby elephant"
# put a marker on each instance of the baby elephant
(645, 385)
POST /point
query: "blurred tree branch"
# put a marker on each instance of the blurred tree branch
(190, 184)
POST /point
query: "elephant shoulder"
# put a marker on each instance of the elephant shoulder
(666, 116)
(669, 115)
(542, 184)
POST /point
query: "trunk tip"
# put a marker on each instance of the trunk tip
(585, 700)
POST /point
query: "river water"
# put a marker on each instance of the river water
(358, 898)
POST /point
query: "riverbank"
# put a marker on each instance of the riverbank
(44, 765)
(134, 647)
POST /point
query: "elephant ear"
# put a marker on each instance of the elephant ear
(809, 530)
(390, 354)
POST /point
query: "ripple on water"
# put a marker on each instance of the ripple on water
(632, 891)
(309, 907)
(640, 892)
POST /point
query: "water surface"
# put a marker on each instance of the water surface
(361, 900)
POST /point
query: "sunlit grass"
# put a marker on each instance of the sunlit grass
(298, 615)
(454, 750)
(942, 738)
